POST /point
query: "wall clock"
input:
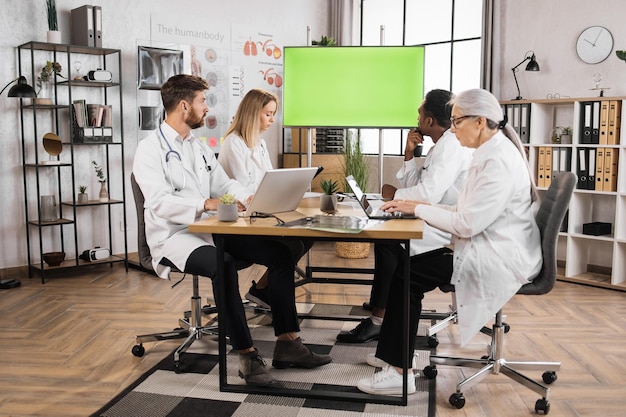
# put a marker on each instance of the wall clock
(594, 44)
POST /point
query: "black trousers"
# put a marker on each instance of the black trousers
(428, 271)
(239, 252)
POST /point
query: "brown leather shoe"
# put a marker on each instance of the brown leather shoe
(253, 369)
(292, 353)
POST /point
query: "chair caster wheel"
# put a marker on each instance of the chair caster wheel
(457, 400)
(542, 405)
(433, 342)
(430, 372)
(507, 327)
(549, 377)
(138, 350)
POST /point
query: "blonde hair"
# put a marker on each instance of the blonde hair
(246, 121)
(479, 102)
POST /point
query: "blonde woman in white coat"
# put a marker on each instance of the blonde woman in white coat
(495, 237)
(244, 156)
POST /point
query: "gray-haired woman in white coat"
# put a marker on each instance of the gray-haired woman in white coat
(495, 236)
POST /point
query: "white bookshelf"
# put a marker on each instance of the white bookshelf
(587, 259)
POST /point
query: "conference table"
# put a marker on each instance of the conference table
(393, 230)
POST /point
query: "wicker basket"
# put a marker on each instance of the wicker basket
(352, 250)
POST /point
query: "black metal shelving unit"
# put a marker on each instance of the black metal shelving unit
(58, 117)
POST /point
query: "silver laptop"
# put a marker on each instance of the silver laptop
(281, 190)
(370, 211)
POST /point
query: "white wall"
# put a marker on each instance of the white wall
(124, 22)
(551, 28)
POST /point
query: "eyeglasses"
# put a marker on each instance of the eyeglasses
(455, 120)
(257, 215)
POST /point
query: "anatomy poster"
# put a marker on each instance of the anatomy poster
(233, 59)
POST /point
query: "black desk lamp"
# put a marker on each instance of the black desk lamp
(21, 89)
(532, 66)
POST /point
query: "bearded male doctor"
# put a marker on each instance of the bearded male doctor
(181, 181)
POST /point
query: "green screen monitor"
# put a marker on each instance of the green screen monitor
(353, 87)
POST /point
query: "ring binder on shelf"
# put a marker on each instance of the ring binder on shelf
(82, 26)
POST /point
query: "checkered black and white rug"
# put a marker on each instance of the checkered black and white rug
(163, 393)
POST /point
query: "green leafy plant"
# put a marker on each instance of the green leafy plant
(52, 15)
(82, 189)
(99, 173)
(325, 41)
(621, 55)
(355, 163)
(329, 187)
(228, 199)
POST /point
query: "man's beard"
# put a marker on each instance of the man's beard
(195, 121)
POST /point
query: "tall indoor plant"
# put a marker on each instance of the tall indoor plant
(355, 165)
(354, 162)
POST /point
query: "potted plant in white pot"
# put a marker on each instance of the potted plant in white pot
(227, 208)
(328, 200)
(53, 35)
(82, 195)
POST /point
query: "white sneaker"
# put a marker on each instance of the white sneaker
(386, 382)
(372, 360)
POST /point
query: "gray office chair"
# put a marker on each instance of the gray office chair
(190, 327)
(549, 219)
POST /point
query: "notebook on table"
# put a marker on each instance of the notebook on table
(368, 207)
(281, 190)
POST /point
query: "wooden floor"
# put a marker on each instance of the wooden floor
(65, 345)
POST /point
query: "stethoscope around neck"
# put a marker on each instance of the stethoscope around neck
(179, 182)
(170, 156)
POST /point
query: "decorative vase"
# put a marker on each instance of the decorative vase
(83, 198)
(104, 194)
(53, 36)
(328, 203)
(44, 95)
(566, 139)
(227, 212)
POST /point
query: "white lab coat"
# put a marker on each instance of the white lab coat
(246, 165)
(496, 240)
(168, 212)
(439, 181)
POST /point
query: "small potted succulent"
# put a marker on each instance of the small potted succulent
(562, 134)
(227, 208)
(82, 195)
(328, 200)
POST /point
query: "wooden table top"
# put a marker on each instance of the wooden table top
(396, 229)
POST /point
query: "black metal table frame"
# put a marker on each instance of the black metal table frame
(360, 397)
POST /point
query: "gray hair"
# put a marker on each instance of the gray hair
(479, 102)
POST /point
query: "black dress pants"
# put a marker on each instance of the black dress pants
(428, 271)
(240, 251)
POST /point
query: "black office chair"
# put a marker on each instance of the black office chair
(190, 327)
(549, 219)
